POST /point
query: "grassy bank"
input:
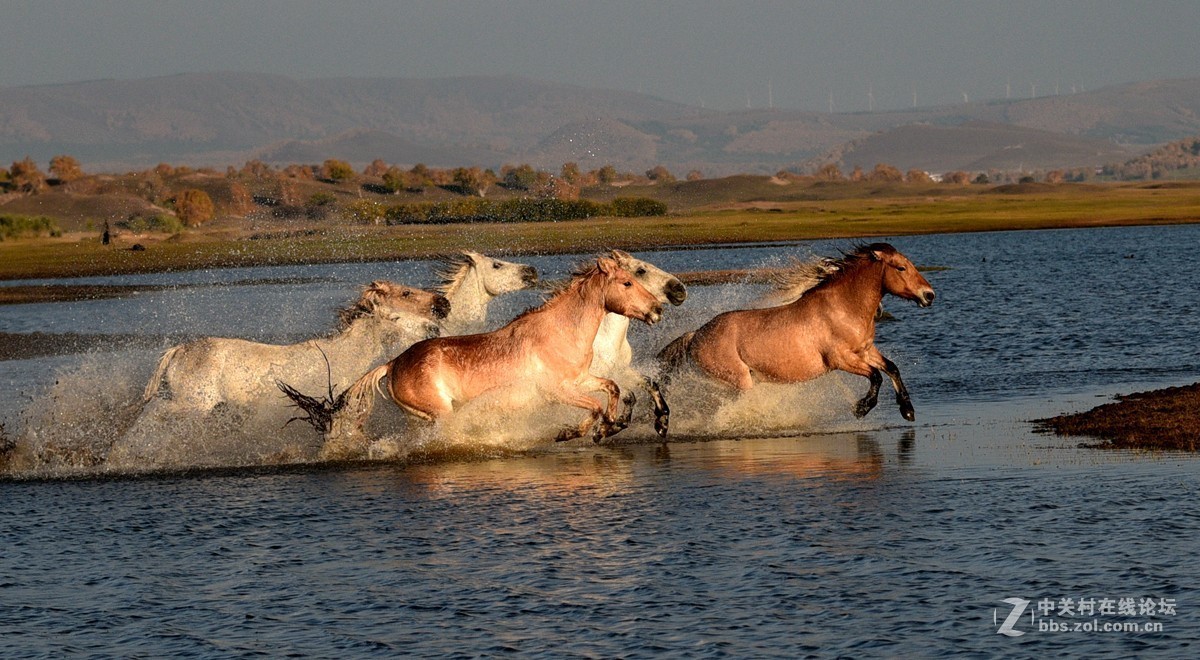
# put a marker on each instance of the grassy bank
(872, 213)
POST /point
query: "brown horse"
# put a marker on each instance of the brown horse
(549, 347)
(831, 326)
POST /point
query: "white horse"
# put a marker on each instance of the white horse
(470, 280)
(386, 319)
(612, 356)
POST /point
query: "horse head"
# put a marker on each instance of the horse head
(397, 303)
(624, 295)
(500, 277)
(665, 286)
(900, 276)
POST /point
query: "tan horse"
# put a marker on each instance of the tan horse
(548, 348)
(831, 326)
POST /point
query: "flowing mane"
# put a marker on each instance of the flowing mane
(803, 276)
(450, 270)
(365, 305)
(555, 290)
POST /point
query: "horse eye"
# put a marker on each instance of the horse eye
(496, 265)
(406, 294)
(641, 271)
(629, 284)
(901, 268)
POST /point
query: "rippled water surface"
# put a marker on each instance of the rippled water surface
(836, 536)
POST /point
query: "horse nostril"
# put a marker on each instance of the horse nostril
(441, 307)
(928, 297)
(676, 293)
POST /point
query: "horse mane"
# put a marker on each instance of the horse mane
(580, 272)
(801, 276)
(362, 307)
(450, 270)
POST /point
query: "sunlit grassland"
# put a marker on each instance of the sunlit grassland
(892, 214)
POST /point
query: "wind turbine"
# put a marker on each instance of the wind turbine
(870, 99)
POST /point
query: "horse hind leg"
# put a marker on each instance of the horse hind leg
(868, 402)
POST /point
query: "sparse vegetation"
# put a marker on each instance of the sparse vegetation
(19, 226)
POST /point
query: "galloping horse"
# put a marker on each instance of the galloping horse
(549, 347)
(470, 280)
(387, 317)
(612, 355)
(831, 326)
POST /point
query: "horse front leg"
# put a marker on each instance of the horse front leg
(662, 412)
(902, 398)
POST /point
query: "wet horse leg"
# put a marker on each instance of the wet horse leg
(576, 397)
(662, 412)
(868, 402)
(902, 398)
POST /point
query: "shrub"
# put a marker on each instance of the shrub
(167, 224)
(194, 207)
(637, 207)
(17, 226)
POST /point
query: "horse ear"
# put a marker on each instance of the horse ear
(621, 254)
(606, 265)
(876, 255)
(473, 257)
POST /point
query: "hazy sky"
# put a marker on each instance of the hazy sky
(720, 54)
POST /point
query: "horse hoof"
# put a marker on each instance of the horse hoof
(566, 434)
(862, 409)
(661, 424)
(907, 413)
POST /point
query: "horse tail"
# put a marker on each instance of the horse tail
(673, 354)
(160, 372)
(325, 414)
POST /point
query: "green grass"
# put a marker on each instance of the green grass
(887, 212)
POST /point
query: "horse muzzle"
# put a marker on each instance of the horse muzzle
(653, 316)
(926, 298)
(440, 307)
(676, 292)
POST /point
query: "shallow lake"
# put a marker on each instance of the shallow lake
(776, 525)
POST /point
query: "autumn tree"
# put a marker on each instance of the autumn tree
(194, 207)
(571, 173)
(660, 174)
(241, 202)
(257, 169)
(519, 177)
(695, 175)
(885, 173)
(857, 174)
(958, 178)
(419, 178)
(918, 176)
(336, 170)
(472, 180)
(1055, 176)
(606, 174)
(65, 168)
(376, 168)
(26, 177)
(829, 172)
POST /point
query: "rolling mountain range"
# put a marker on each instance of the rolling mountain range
(217, 119)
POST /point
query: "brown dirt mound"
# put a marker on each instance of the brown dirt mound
(1160, 419)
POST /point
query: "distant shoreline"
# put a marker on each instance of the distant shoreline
(81, 255)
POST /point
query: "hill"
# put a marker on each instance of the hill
(217, 119)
